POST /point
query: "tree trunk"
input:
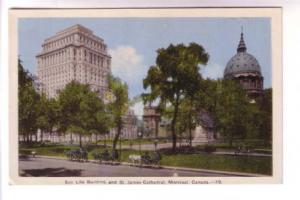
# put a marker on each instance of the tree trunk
(71, 138)
(117, 135)
(230, 139)
(42, 134)
(80, 143)
(190, 128)
(156, 128)
(190, 134)
(190, 119)
(96, 139)
(173, 124)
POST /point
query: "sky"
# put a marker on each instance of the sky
(132, 42)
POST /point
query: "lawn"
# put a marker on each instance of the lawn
(247, 164)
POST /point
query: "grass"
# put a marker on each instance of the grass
(247, 164)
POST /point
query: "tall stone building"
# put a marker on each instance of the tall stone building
(74, 53)
(244, 68)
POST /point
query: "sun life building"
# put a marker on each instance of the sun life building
(74, 53)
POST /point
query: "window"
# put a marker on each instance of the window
(91, 57)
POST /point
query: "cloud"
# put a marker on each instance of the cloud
(212, 71)
(128, 65)
(138, 109)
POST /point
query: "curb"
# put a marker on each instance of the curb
(172, 168)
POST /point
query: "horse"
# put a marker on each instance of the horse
(135, 158)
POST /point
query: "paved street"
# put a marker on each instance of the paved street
(63, 168)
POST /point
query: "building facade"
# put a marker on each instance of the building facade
(151, 119)
(74, 53)
(129, 127)
(245, 69)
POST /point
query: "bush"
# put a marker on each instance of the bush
(209, 149)
(25, 152)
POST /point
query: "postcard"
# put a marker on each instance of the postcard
(145, 96)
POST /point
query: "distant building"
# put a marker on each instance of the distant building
(151, 119)
(244, 68)
(74, 53)
(129, 129)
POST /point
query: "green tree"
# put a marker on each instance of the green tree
(77, 109)
(119, 105)
(42, 120)
(48, 111)
(101, 119)
(174, 77)
(232, 111)
(264, 104)
(28, 100)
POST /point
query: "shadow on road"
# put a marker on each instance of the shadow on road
(52, 172)
(24, 158)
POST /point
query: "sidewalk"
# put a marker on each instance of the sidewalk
(151, 147)
(241, 154)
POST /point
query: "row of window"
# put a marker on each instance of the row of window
(71, 39)
(251, 83)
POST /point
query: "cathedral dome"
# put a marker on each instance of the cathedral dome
(242, 62)
(245, 69)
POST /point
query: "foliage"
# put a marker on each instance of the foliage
(48, 112)
(119, 106)
(209, 148)
(232, 116)
(80, 109)
(235, 115)
(264, 119)
(174, 77)
(28, 104)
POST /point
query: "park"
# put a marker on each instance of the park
(89, 124)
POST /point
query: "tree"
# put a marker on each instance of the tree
(42, 120)
(48, 111)
(188, 118)
(231, 111)
(28, 100)
(174, 76)
(119, 104)
(264, 104)
(77, 109)
(101, 119)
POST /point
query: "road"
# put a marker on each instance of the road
(48, 167)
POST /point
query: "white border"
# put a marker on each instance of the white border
(273, 13)
(290, 188)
